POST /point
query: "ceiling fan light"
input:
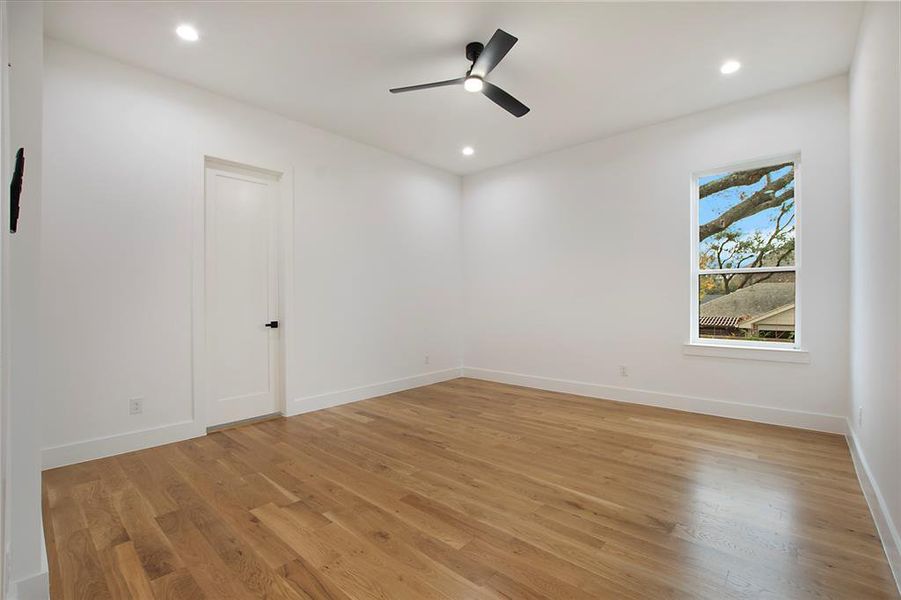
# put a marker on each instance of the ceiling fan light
(473, 84)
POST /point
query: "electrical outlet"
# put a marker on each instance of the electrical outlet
(623, 371)
(135, 406)
(859, 416)
(428, 359)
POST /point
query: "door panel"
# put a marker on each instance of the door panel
(241, 296)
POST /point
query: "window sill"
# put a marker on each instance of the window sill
(786, 355)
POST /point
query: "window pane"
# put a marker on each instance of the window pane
(747, 218)
(758, 306)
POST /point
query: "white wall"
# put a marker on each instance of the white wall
(376, 261)
(26, 577)
(876, 266)
(577, 262)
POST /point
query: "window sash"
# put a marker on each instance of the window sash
(747, 270)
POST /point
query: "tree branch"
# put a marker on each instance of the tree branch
(786, 254)
(737, 178)
(757, 202)
(768, 246)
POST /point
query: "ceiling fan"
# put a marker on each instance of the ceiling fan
(484, 58)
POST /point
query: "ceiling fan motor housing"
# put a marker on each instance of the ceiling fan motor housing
(473, 50)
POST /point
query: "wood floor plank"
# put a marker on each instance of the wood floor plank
(129, 565)
(240, 559)
(101, 517)
(310, 582)
(81, 574)
(402, 543)
(150, 544)
(213, 576)
(178, 585)
(471, 489)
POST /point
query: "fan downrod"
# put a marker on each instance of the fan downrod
(473, 50)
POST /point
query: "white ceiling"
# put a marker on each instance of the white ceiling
(586, 70)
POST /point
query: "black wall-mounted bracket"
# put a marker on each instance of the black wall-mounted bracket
(15, 190)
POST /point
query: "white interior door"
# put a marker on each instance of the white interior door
(241, 295)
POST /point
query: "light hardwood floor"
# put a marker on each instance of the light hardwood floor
(467, 490)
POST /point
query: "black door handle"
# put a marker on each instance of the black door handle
(272, 324)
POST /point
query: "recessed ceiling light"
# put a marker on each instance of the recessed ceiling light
(729, 67)
(187, 33)
(473, 84)
(468, 151)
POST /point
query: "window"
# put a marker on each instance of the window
(745, 255)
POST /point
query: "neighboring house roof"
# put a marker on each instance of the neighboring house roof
(713, 321)
(782, 319)
(710, 297)
(751, 302)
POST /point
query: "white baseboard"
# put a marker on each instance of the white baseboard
(67, 454)
(76, 452)
(888, 532)
(707, 406)
(36, 587)
(329, 399)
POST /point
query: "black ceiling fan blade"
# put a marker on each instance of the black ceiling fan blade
(495, 50)
(504, 100)
(425, 86)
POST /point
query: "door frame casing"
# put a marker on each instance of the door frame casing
(283, 173)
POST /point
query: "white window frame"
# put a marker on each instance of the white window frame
(695, 339)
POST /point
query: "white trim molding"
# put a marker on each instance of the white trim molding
(887, 529)
(788, 354)
(706, 406)
(36, 587)
(282, 170)
(76, 452)
(697, 272)
(364, 392)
